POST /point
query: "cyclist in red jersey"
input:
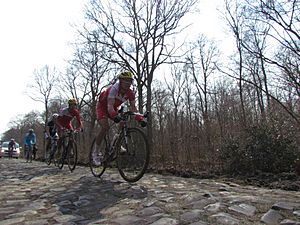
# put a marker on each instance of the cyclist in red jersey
(66, 115)
(109, 101)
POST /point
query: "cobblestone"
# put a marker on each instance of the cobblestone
(34, 193)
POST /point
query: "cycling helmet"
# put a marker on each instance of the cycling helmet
(54, 116)
(30, 130)
(72, 101)
(126, 75)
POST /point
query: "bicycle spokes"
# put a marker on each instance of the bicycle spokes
(133, 162)
(72, 155)
(97, 158)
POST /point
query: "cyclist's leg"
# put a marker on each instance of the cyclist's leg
(34, 150)
(104, 127)
(26, 153)
(9, 152)
(30, 149)
(48, 140)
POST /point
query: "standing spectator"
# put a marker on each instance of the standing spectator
(29, 142)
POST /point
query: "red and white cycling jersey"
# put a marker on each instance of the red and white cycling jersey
(66, 116)
(113, 97)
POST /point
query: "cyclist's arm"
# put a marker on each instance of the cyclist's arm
(48, 128)
(34, 139)
(110, 107)
(132, 102)
(59, 126)
(111, 98)
(132, 106)
(138, 117)
(79, 121)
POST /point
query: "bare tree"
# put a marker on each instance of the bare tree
(255, 44)
(175, 88)
(234, 16)
(257, 24)
(202, 62)
(92, 70)
(20, 125)
(160, 151)
(42, 88)
(136, 34)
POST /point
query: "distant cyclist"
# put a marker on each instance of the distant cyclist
(11, 146)
(66, 115)
(52, 132)
(29, 142)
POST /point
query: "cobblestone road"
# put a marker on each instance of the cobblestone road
(34, 193)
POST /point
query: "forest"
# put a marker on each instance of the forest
(210, 112)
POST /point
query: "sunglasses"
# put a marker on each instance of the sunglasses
(126, 81)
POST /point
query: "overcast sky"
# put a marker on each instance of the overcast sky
(35, 33)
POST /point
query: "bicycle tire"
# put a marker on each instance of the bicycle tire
(96, 157)
(48, 154)
(72, 155)
(61, 161)
(57, 156)
(133, 163)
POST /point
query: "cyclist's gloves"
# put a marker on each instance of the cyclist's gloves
(79, 130)
(143, 123)
(117, 119)
(141, 120)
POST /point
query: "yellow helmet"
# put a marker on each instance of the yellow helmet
(126, 75)
(72, 101)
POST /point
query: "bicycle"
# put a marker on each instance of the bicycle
(28, 152)
(129, 148)
(34, 151)
(51, 150)
(68, 149)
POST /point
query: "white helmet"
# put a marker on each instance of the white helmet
(54, 116)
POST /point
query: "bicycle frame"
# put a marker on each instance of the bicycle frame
(123, 132)
(67, 141)
(130, 150)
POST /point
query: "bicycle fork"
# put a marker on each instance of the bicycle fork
(125, 134)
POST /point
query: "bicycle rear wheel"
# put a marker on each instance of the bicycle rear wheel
(96, 158)
(72, 155)
(133, 159)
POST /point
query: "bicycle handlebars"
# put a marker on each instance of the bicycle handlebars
(124, 115)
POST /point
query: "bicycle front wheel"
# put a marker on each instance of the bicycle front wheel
(61, 161)
(96, 158)
(57, 156)
(48, 154)
(133, 158)
(72, 155)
